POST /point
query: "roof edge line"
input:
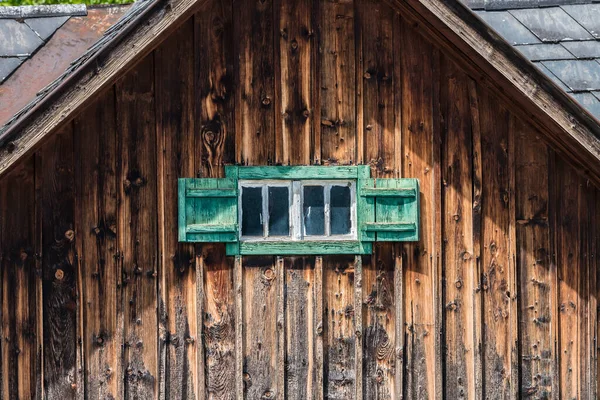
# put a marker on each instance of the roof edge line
(49, 10)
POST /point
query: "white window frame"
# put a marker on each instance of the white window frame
(296, 210)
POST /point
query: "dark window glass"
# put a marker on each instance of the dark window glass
(279, 211)
(340, 210)
(252, 211)
(314, 210)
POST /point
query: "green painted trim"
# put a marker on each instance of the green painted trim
(212, 193)
(181, 200)
(390, 227)
(301, 248)
(298, 172)
(380, 192)
(224, 228)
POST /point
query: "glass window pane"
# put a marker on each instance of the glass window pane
(279, 211)
(314, 210)
(252, 211)
(340, 210)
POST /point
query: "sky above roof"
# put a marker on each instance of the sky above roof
(560, 37)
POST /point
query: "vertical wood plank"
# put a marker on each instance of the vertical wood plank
(281, 348)
(318, 330)
(254, 72)
(420, 264)
(215, 93)
(215, 146)
(496, 256)
(296, 48)
(337, 71)
(59, 266)
(300, 328)
(458, 253)
(477, 229)
(260, 327)
(137, 227)
(533, 261)
(339, 327)
(376, 21)
(379, 330)
(175, 106)
(240, 375)
(358, 327)
(95, 136)
(21, 301)
(569, 271)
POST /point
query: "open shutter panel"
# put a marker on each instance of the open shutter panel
(208, 210)
(388, 210)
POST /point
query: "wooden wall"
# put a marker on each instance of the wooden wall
(100, 301)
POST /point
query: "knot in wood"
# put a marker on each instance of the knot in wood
(11, 147)
(269, 274)
(306, 113)
(458, 284)
(268, 394)
(294, 45)
(59, 274)
(266, 101)
(70, 235)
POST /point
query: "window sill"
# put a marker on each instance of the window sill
(298, 248)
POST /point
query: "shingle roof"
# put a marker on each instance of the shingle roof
(23, 30)
(127, 21)
(561, 37)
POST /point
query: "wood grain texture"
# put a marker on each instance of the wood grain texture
(420, 274)
(260, 328)
(498, 297)
(138, 238)
(533, 259)
(255, 81)
(376, 20)
(337, 72)
(296, 52)
(21, 279)
(461, 280)
(300, 328)
(59, 267)
(175, 106)
(339, 327)
(215, 93)
(99, 257)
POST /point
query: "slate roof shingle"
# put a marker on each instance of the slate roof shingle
(23, 30)
(560, 37)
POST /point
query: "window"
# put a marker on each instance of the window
(297, 210)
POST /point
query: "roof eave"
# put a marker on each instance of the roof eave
(150, 28)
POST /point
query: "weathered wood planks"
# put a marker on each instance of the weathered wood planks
(255, 81)
(137, 227)
(478, 299)
(461, 280)
(337, 73)
(99, 256)
(21, 286)
(175, 127)
(59, 261)
(536, 282)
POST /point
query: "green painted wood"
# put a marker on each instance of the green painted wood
(385, 192)
(397, 210)
(181, 207)
(390, 227)
(365, 209)
(212, 193)
(210, 213)
(301, 248)
(299, 172)
(223, 228)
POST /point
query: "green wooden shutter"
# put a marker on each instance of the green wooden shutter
(208, 210)
(388, 210)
